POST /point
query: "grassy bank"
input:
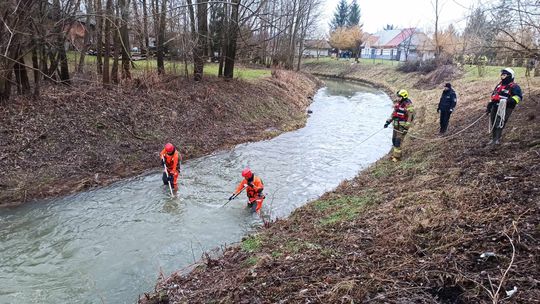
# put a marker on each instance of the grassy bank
(140, 68)
(82, 136)
(456, 221)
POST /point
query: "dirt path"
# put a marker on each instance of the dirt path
(75, 139)
(411, 232)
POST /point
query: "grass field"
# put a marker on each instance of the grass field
(491, 72)
(471, 71)
(173, 67)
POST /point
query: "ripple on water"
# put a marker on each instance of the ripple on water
(109, 244)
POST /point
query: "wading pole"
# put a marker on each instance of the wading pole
(167, 173)
(234, 196)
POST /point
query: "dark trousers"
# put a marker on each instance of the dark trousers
(397, 138)
(165, 179)
(445, 119)
(497, 132)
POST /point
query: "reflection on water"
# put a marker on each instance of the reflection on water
(347, 88)
(108, 245)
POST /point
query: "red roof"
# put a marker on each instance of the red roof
(402, 36)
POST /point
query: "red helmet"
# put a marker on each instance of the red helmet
(247, 173)
(169, 148)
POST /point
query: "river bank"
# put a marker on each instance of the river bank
(456, 221)
(76, 138)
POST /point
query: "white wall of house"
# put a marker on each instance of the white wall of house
(366, 52)
(316, 52)
(393, 53)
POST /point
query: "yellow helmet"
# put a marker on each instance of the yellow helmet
(402, 93)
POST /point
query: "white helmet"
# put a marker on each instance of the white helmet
(508, 71)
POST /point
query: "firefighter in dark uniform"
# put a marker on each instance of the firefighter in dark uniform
(447, 103)
(506, 95)
(401, 119)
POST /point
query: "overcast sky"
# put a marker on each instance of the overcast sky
(375, 14)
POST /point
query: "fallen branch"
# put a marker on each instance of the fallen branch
(496, 295)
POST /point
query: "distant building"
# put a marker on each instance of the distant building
(314, 48)
(401, 45)
(76, 29)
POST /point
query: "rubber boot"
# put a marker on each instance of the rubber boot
(396, 154)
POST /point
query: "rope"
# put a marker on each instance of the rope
(501, 113)
(445, 137)
(365, 139)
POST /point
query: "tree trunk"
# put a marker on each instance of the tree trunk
(116, 50)
(303, 34)
(54, 51)
(6, 72)
(200, 45)
(60, 40)
(145, 28)
(99, 37)
(437, 45)
(185, 43)
(193, 28)
(64, 68)
(35, 66)
(5, 85)
(161, 38)
(53, 67)
(124, 39)
(43, 60)
(223, 52)
(223, 38)
(87, 35)
(108, 14)
(43, 11)
(21, 75)
(231, 43)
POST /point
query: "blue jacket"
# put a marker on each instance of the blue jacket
(448, 100)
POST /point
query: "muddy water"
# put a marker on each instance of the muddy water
(108, 245)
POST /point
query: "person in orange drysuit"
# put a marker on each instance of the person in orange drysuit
(171, 158)
(254, 188)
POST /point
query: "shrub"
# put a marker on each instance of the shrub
(424, 67)
(409, 66)
(428, 66)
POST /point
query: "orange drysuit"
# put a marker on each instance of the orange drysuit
(254, 191)
(172, 163)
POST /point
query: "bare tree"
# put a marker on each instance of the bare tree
(255, 31)
(124, 38)
(228, 71)
(107, 32)
(87, 35)
(99, 36)
(437, 9)
(518, 30)
(161, 35)
(201, 38)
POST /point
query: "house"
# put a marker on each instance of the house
(316, 48)
(422, 47)
(76, 30)
(401, 44)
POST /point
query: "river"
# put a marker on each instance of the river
(108, 245)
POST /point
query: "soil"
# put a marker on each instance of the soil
(456, 221)
(83, 136)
